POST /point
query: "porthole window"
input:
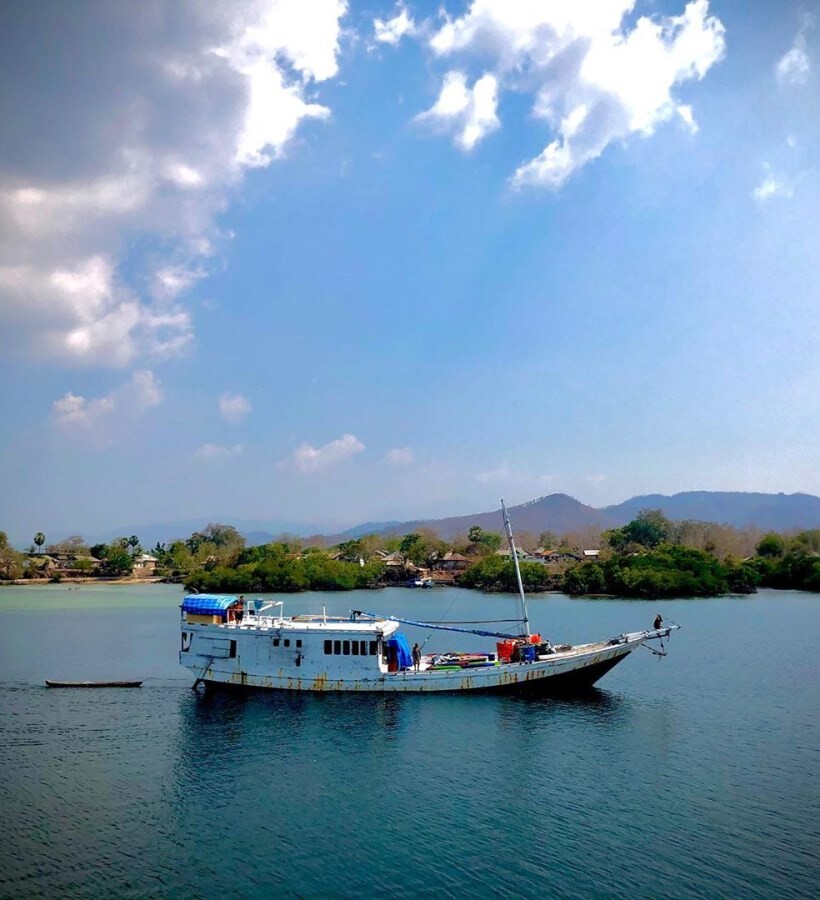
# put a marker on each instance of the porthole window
(298, 643)
(364, 647)
(355, 648)
(337, 647)
(345, 648)
(276, 642)
(328, 648)
(287, 642)
(374, 648)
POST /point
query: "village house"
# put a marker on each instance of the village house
(391, 560)
(145, 565)
(452, 562)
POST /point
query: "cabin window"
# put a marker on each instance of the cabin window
(345, 648)
(232, 652)
(328, 647)
(355, 648)
(364, 647)
(298, 643)
(337, 647)
(374, 648)
(276, 642)
(287, 642)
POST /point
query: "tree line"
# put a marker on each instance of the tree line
(650, 556)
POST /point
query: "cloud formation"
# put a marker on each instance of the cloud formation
(794, 68)
(145, 136)
(100, 421)
(773, 185)
(234, 408)
(306, 458)
(400, 456)
(469, 111)
(593, 78)
(217, 452)
(391, 31)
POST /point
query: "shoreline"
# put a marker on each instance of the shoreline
(125, 580)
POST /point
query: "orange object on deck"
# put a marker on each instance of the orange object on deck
(535, 638)
(505, 649)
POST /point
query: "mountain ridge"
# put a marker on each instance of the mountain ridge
(557, 512)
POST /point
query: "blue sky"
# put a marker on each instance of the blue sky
(330, 263)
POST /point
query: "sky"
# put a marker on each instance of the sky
(329, 262)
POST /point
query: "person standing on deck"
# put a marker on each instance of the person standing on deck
(416, 657)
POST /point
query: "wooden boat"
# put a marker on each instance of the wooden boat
(227, 640)
(93, 684)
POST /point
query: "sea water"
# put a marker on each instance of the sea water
(695, 775)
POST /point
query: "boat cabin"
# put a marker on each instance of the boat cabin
(258, 636)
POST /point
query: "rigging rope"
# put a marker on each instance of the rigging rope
(479, 632)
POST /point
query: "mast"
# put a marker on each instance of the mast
(508, 528)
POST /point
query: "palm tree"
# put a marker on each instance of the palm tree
(134, 544)
(39, 539)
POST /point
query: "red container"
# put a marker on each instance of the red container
(535, 638)
(505, 649)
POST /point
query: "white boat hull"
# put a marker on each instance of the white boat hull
(576, 669)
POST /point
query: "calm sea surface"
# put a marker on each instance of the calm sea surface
(691, 776)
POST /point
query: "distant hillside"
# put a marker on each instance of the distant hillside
(775, 512)
(556, 512)
(561, 513)
(370, 528)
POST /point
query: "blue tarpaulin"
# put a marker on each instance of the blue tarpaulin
(208, 604)
(403, 654)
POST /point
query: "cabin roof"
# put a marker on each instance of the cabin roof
(208, 604)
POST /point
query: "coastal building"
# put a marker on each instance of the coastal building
(452, 562)
(145, 565)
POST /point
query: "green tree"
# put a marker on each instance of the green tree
(483, 541)
(116, 560)
(39, 540)
(134, 544)
(548, 540)
(11, 562)
(771, 546)
(649, 528)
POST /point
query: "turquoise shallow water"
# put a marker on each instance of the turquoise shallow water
(693, 776)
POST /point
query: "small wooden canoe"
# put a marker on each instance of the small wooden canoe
(93, 684)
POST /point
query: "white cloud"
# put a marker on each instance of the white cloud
(100, 421)
(771, 186)
(400, 456)
(234, 408)
(593, 78)
(794, 68)
(391, 31)
(152, 134)
(471, 112)
(306, 458)
(217, 452)
(595, 479)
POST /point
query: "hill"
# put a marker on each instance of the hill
(561, 513)
(555, 512)
(775, 512)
